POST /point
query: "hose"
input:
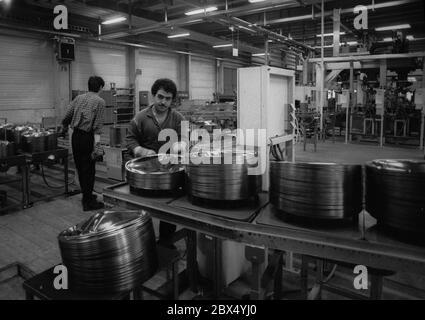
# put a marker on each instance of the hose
(53, 187)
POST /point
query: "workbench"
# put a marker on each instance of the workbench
(40, 158)
(20, 162)
(359, 242)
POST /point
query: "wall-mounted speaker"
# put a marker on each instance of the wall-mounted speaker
(66, 49)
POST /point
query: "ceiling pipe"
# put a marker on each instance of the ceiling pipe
(343, 11)
(185, 21)
(113, 42)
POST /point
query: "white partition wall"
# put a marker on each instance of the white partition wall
(264, 95)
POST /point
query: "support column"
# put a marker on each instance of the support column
(183, 74)
(322, 65)
(133, 74)
(421, 142)
(336, 29)
(188, 71)
(383, 84)
(63, 91)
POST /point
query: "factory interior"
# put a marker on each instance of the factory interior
(297, 172)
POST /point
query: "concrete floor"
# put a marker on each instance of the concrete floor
(340, 152)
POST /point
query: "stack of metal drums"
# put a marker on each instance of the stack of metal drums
(156, 173)
(111, 251)
(222, 174)
(395, 194)
(316, 190)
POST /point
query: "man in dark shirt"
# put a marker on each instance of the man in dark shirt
(85, 116)
(142, 137)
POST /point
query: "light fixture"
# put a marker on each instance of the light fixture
(245, 28)
(179, 35)
(258, 54)
(223, 45)
(198, 11)
(330, 34)
(352, 43)
(387, 39)
(410, 37)
(114, 20)
(255, 1)
(396, 27)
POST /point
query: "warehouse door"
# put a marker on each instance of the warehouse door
(155, 65)
(202, 78)
(26, 79)
(106, 61)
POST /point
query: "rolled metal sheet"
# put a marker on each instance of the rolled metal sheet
(222, 174)
(316, 190)
(111, 251)
(395, 194)
(151, 173)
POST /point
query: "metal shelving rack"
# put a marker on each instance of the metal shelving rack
(124, 104)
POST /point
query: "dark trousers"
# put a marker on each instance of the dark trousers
(82, 148)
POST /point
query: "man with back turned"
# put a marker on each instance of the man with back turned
(85, 116)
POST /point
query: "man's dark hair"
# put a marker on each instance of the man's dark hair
(95, 83)
(165, 84)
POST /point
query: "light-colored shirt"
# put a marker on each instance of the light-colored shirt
(86, 113)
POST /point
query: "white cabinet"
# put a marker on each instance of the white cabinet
(264, 98)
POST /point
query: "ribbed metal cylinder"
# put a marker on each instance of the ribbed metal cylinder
(316, 190)
(151, 173)
(395, 194)
(111, 251)
(229, 180)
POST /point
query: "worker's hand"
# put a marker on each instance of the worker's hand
(98, 152)
(63, 132)
(143, 152)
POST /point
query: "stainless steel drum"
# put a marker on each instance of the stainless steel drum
(221, 179)
(111, 251)
(395, 194)
(158, 172)
(33, 142)
(51, 140)
(316, 190)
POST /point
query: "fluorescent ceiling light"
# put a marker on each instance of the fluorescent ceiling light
(396, 27)
(258, 54)
(255, 1)
(352, 43)
(410, 37)
(387, 39)
(223, 45)
(114, 20)
(198, 11)
(326, 46)
(245, 28)
(179, 35)
(330, 34)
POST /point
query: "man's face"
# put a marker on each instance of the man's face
(162, 100)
